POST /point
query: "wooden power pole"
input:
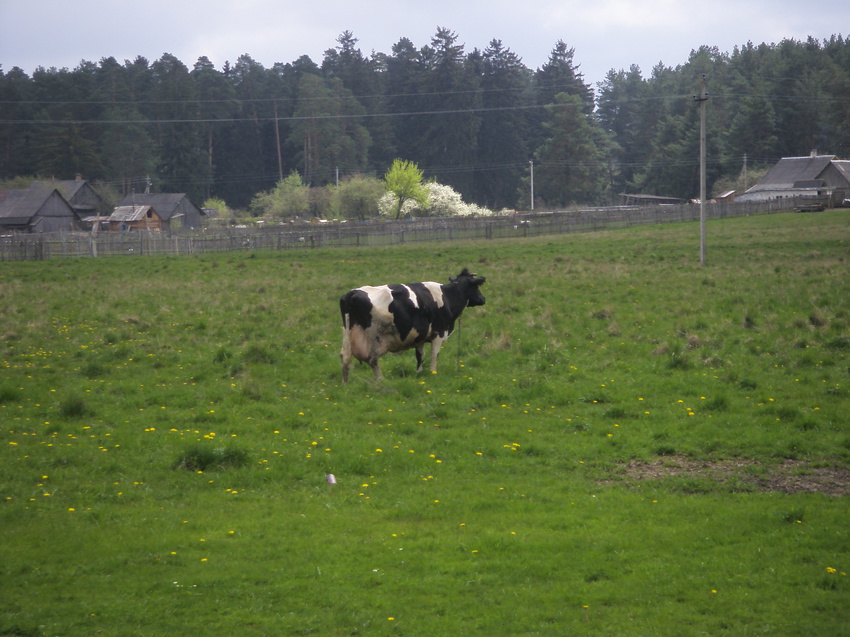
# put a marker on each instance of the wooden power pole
(702, 98)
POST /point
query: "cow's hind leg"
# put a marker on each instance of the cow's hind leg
(420, 356)
(345, 352)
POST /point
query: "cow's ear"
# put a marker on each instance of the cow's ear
(452, 279)
(480, 280)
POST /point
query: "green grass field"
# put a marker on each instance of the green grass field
(620, 442)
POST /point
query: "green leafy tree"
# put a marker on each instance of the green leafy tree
(357, 197)
(289, 199)
(404, 181)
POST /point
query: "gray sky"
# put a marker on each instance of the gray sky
(605, 34)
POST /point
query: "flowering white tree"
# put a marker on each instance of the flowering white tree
(443, 201)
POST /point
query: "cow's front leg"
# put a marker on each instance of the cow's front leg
(420, 356)
(436, 344)
(373, 363)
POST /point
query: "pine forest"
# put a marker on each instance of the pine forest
(478, 121)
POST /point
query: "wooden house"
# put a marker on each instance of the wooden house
(36, 210)
(176, 209)
(77, 192)
(129, 218)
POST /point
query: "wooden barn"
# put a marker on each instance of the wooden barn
(36, 210)
(129, 218)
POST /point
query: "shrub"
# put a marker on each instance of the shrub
(202, 458)
(73, 407)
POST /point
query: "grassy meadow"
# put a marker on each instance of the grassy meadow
(620, 442)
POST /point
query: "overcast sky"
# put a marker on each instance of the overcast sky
(606, 34)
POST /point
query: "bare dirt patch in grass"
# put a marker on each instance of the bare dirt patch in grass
(789, 476)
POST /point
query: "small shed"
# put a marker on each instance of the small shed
(36, 210)
(129, 218)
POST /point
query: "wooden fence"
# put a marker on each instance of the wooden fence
(25, 247)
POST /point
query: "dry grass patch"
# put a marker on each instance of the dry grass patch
(789, 476)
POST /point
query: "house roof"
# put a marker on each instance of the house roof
(131, 213)
(791, 170)
(68, 188)
(18, 207)
(165, 203)
(843, 165)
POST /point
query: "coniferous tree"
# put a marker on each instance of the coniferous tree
(326, 131)
(127, 150)
(503, 150)
(179, 140)
(364, 78)
(569, 167)
(403, 99)
(447, 144)
(17, 156)
(216, 108)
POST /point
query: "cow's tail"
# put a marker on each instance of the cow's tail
(345, 352)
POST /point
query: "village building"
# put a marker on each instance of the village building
(36, 210)
(175, 209)
(822, 180)
(78, 192)
(138, 218)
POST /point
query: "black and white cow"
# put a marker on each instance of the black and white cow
(393, 318)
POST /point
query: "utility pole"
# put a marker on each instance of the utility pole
(531, 164)
(277, 140)
(702, 98)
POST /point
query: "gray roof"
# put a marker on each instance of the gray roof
(791, 170)
(165, 203)
(18, 207)
(77, 192)
(843, 165)
(68, 187)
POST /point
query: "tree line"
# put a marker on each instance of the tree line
(478, 121)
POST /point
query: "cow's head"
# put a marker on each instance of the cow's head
(470, 284)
